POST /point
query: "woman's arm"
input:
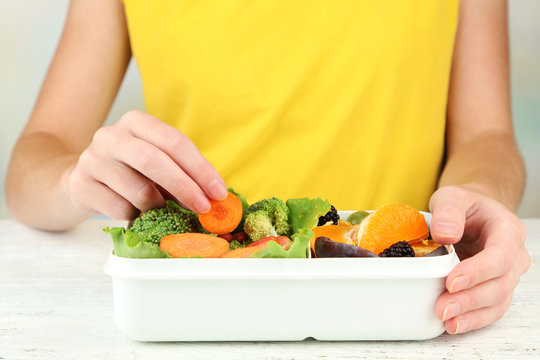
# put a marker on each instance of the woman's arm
(481, 149)
(483, 177)
(65, 167)
(78, 91)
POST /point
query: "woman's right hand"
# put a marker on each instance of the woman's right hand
(135, 164)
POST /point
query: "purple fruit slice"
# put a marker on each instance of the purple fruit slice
(326, 248)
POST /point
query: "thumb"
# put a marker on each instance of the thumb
(448, 207)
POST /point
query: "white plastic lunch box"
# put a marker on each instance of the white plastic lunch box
(279, 299)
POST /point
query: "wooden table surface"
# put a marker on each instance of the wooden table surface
(56, 303)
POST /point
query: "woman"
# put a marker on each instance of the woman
(357, 102)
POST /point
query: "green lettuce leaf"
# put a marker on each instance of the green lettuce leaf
(126, 243)
(245, 206)
(243, 200)
(304, 216)
(305, 212)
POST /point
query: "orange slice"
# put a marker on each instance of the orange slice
(423, 247)
(340, 233)
(389, 224)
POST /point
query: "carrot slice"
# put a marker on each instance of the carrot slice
(224, 215)
(243, 252)
(194, 245)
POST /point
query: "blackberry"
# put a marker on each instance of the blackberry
(332, 216)
(399, 249)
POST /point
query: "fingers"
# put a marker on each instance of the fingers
(487, 294)
(476, 319)
(490, 263)
(161, 169)
(478, 306)
(502, 242)
(90, 194)
(137, 162)
(480, 287)
(180, 148)
(484, 303)
(448, 208)
(152, 163)
(125, 181)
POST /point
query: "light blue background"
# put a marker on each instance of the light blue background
(29, 31)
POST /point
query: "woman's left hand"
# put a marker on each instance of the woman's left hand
(489, 239)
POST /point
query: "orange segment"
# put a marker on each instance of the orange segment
(389, 224)
(423, 247)
(340, 233)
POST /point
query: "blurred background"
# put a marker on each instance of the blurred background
(29, 32)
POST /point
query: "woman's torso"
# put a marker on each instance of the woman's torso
(345, 100)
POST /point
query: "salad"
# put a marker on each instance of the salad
(273, 228)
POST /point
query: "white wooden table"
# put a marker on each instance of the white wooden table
(56, 303)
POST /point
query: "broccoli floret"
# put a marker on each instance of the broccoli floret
(268, 217)
(235, 244)
(154, 224)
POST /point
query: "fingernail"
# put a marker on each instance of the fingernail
(200, 204)
(460, 282)
(461, 325)
(451, 310)
(446, 229)
(218, 190)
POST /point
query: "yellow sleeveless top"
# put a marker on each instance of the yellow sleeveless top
(342, 99)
